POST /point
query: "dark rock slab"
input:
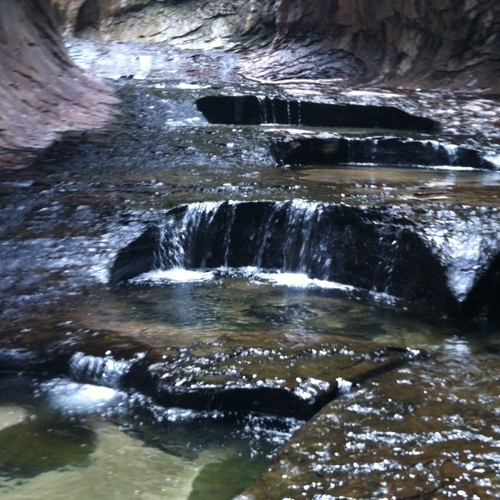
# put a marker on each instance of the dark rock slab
(252, 110)
(384, 151)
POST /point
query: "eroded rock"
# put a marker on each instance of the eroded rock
(43, 94)
(193, 24)
(408, 43)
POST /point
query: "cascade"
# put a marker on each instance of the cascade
(209, 235)
(105, 371)
(376, 250)
(176, 243)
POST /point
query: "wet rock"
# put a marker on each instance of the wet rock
(244, 373)
(424, 436)
(392, 151)
(252, 110)
(483, 300)
(135, 260)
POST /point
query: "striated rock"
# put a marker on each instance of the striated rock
(43, 93)
(191, 24)
(424, 43)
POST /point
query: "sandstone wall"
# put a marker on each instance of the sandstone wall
(42, 93)
(402, 40)
(194, 24)
(423, 43)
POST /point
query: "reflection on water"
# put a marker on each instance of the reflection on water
(60, 441)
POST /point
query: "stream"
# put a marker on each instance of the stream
(231, 292)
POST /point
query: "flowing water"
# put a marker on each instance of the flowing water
(82, 434)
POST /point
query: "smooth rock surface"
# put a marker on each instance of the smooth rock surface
(43, 94)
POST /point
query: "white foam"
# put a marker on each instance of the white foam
(177, 275)
(255, 274)
(299, 280)
(494, 159)
(72, 397)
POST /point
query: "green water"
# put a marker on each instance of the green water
(231, 303)
(60, 443)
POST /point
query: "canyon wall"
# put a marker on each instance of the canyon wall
(42, 93)
(194, 24)
(425, 43)
(445, 42)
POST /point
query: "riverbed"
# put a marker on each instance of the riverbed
(148, 353)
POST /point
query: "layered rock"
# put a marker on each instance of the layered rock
(43, 93)
(190, 24)
(421, 42)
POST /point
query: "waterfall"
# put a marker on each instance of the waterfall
(227, 239)
(176, 242)
(297, 250)
(280, 236)
(273, 111)
(279, 111)
(373, 250)
(262, 109)
(104, 371)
